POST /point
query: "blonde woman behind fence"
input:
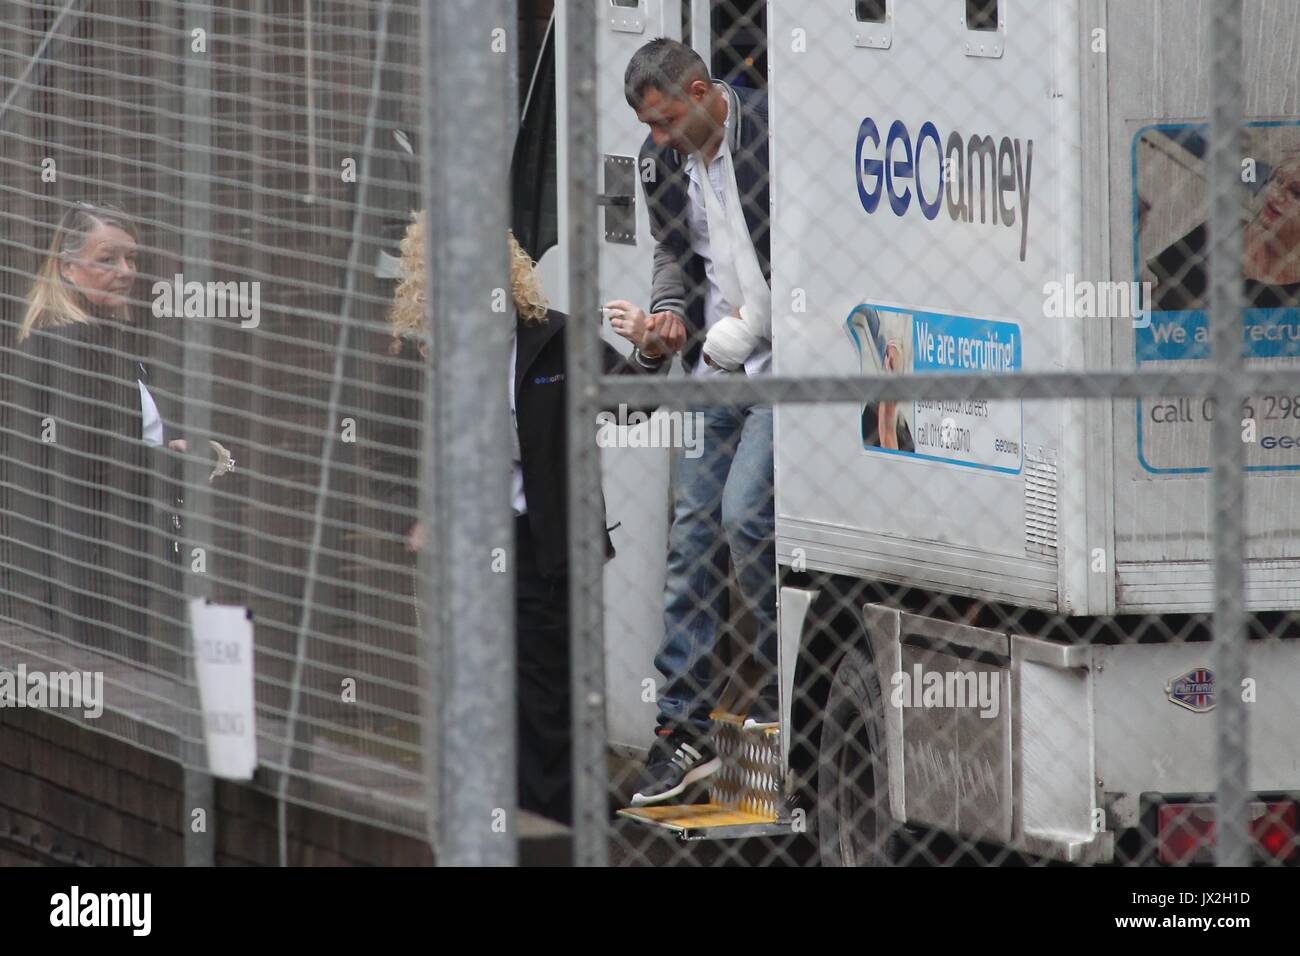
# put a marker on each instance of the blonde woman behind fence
(85, 448)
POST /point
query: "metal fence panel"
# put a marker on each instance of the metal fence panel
(262, 145)
(1025, 595)
(941, 555)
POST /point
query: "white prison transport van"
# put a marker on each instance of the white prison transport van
(993, 613)
(948, 198)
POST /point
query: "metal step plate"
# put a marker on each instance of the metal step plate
(751, 774)
(745, 795)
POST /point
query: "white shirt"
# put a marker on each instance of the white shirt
(517, 499)
(715, 304)
(152, 426)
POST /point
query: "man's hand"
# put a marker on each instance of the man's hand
(628, 320)
(669, 330)
(654, 335)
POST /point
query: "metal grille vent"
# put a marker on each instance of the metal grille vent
(1040, 504)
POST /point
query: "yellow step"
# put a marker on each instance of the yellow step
(697, 821)
(745, 795)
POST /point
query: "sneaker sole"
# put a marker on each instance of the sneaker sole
(699, 773)
(752, 724)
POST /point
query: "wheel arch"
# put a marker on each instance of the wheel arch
(833, 623)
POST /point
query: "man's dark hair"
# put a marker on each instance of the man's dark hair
(668, 66)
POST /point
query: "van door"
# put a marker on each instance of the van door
(636, 480)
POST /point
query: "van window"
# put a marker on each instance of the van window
(871, 11)
(982, 15)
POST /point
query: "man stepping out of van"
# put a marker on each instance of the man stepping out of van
(706, 187)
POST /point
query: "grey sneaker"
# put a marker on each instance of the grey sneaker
(677, 760)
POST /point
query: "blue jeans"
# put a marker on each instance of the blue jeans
(723, 503)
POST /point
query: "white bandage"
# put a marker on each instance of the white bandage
(731, 340)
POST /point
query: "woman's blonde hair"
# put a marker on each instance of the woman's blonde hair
(407, 314)
(52, 301)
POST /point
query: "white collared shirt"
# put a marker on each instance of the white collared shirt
(716, 305)
(517, 499)
(151, 425)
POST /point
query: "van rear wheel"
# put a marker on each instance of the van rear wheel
(853, 822)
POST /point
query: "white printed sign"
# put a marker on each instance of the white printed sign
(223, 660)
(977, 433)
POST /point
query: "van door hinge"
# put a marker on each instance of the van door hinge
(619, 199)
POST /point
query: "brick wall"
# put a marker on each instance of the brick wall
(71, 796)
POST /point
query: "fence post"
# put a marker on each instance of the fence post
(586, 550)
(196, 362)
(1224, 51)
(464, 164)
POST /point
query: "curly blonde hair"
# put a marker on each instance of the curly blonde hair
(407, 314)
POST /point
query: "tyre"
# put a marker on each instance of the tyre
(853, 822)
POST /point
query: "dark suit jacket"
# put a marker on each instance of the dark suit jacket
(540, 409)
(84, 537)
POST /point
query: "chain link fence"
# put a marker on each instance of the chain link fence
(961, 566)
(244, 173)
(906, 535)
